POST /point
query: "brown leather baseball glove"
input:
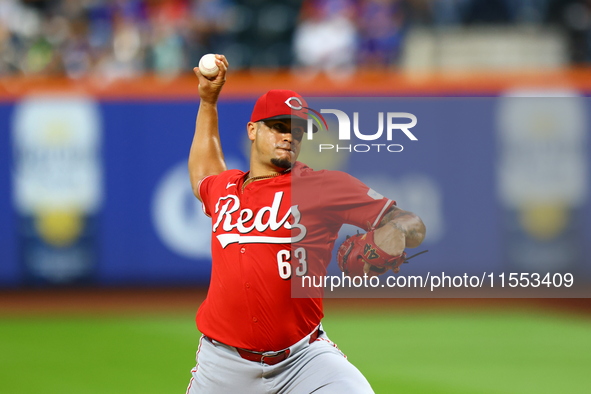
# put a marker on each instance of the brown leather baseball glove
(360, 249)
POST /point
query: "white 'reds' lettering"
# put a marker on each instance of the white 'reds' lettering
(242, 225)
(273, 212)
(226, 211)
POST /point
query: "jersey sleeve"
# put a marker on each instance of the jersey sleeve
(212, 187)
(348, 200)
(204, 188)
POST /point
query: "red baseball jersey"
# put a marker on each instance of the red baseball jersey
(255, 232)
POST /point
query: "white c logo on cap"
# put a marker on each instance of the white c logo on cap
(290, 105)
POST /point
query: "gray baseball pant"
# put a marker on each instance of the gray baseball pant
(319, 367)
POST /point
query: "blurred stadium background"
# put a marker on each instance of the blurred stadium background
(104, 253)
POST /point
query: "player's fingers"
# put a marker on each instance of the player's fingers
(202, 79)
(204, 83)
(223, 69)
(366, 268)
(223, 59)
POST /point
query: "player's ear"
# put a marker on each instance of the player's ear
(251, 128)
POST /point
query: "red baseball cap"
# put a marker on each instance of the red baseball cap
(279, 104)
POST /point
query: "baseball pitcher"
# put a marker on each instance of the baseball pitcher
(257, 338)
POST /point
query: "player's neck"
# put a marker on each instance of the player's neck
(250, 177)
(264, 171)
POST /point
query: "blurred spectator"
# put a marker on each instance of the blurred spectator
(326, 37)
(382, 24)
(72, 38)
(208, 25)
(164, 37)
(125, 60)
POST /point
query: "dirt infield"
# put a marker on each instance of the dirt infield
(158, 300)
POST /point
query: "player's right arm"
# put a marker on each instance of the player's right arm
(206, 156)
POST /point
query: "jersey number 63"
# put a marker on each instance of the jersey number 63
(284, 262)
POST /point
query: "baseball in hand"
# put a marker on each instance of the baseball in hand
(207, 66)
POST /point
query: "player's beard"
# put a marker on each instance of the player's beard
(281, 163)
